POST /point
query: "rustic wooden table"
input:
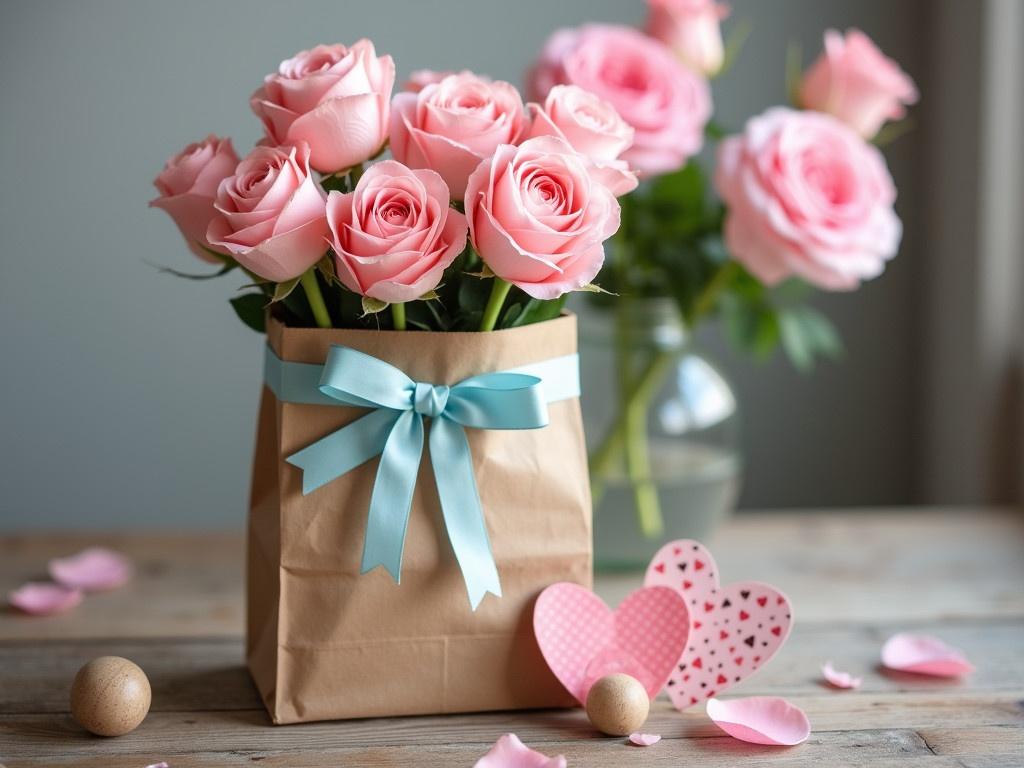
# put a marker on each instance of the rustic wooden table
(854, 578)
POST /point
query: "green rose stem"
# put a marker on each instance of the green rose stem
(499, 292)
(398, 315)
(316, 299)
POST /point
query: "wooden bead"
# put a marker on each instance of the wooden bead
(110, 696)
(618, 705)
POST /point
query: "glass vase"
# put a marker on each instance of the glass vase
(662, 429)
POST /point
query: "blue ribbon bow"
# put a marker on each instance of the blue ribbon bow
(394, 430)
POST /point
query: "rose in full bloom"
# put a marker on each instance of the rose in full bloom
(592, 127)
(272, 216)
(334, 98)
(807, 197)
(692, 29)
(538, 218)
(394, 234)
(187, 186)
(452, 125)
(857, 83)
(666, 103)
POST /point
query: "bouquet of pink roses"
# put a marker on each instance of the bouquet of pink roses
(487, 214)
(804, 198)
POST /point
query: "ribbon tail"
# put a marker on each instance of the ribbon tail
(463, 512)
(391, 501)
(343, 450)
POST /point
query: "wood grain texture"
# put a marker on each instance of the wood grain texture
(854, 579)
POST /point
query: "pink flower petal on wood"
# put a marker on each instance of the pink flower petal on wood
(158, 765)
(95, 569)
(760, 720)
(837, 678)
(924, 655)
(43, 598)
(644, 739)
(510, 752)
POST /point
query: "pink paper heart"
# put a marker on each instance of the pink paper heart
(582, 640)
(734, 630)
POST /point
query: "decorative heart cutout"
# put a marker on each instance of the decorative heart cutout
(734, 630)
(582, 640)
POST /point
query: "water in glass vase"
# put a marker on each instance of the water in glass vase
(662, 428)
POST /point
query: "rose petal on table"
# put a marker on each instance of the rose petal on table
(837, 678)
(158, 765)
(44, 598)
(510, 752)
(760, 720)
(644, 739)
(924, 655)
(95, 569)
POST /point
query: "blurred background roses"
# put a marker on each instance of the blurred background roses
(922, 409)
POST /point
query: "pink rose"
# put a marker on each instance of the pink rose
(452, 125)
(857, 83)
(272, 214)
(336, 99)
(537, 217)
(395, 234)
(187, 186)
(692, 29)
(592, 127)
(666, 103)
(807, 196)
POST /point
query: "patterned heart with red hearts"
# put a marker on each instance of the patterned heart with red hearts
(734, 630)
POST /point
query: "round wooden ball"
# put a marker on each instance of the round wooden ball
(618, 705)
(110, 696)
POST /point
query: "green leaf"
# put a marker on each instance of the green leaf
(513, 312)
(251, 310)
(228, 267)
(283, 290)
(751, 326)
(807, 335)
(892, 131)
(326, 269)
(372, 306)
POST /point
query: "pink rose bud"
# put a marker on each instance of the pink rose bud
(857, 83)
(538, 218)
(592, 127)
(272, 214)
(452, 125)
(187, 186)
(395, 234)
(666, 103)
(692, 29)
(334, 98)
(807, 197)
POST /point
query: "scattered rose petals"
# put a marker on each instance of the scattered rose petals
(44, 598)
(924, 655)
(644, 739)
(510, 752)
(95, 569)
(837, 678)
(760, 720)
(158, 765)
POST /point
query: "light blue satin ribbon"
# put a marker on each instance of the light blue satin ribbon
(394, 430)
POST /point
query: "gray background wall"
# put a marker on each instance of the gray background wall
(128, 397)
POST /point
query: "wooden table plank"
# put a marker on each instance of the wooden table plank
(854, 579)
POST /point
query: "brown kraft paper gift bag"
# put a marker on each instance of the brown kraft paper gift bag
(326, 642)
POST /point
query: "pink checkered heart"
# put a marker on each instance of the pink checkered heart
(734, 630)
(582, 640)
